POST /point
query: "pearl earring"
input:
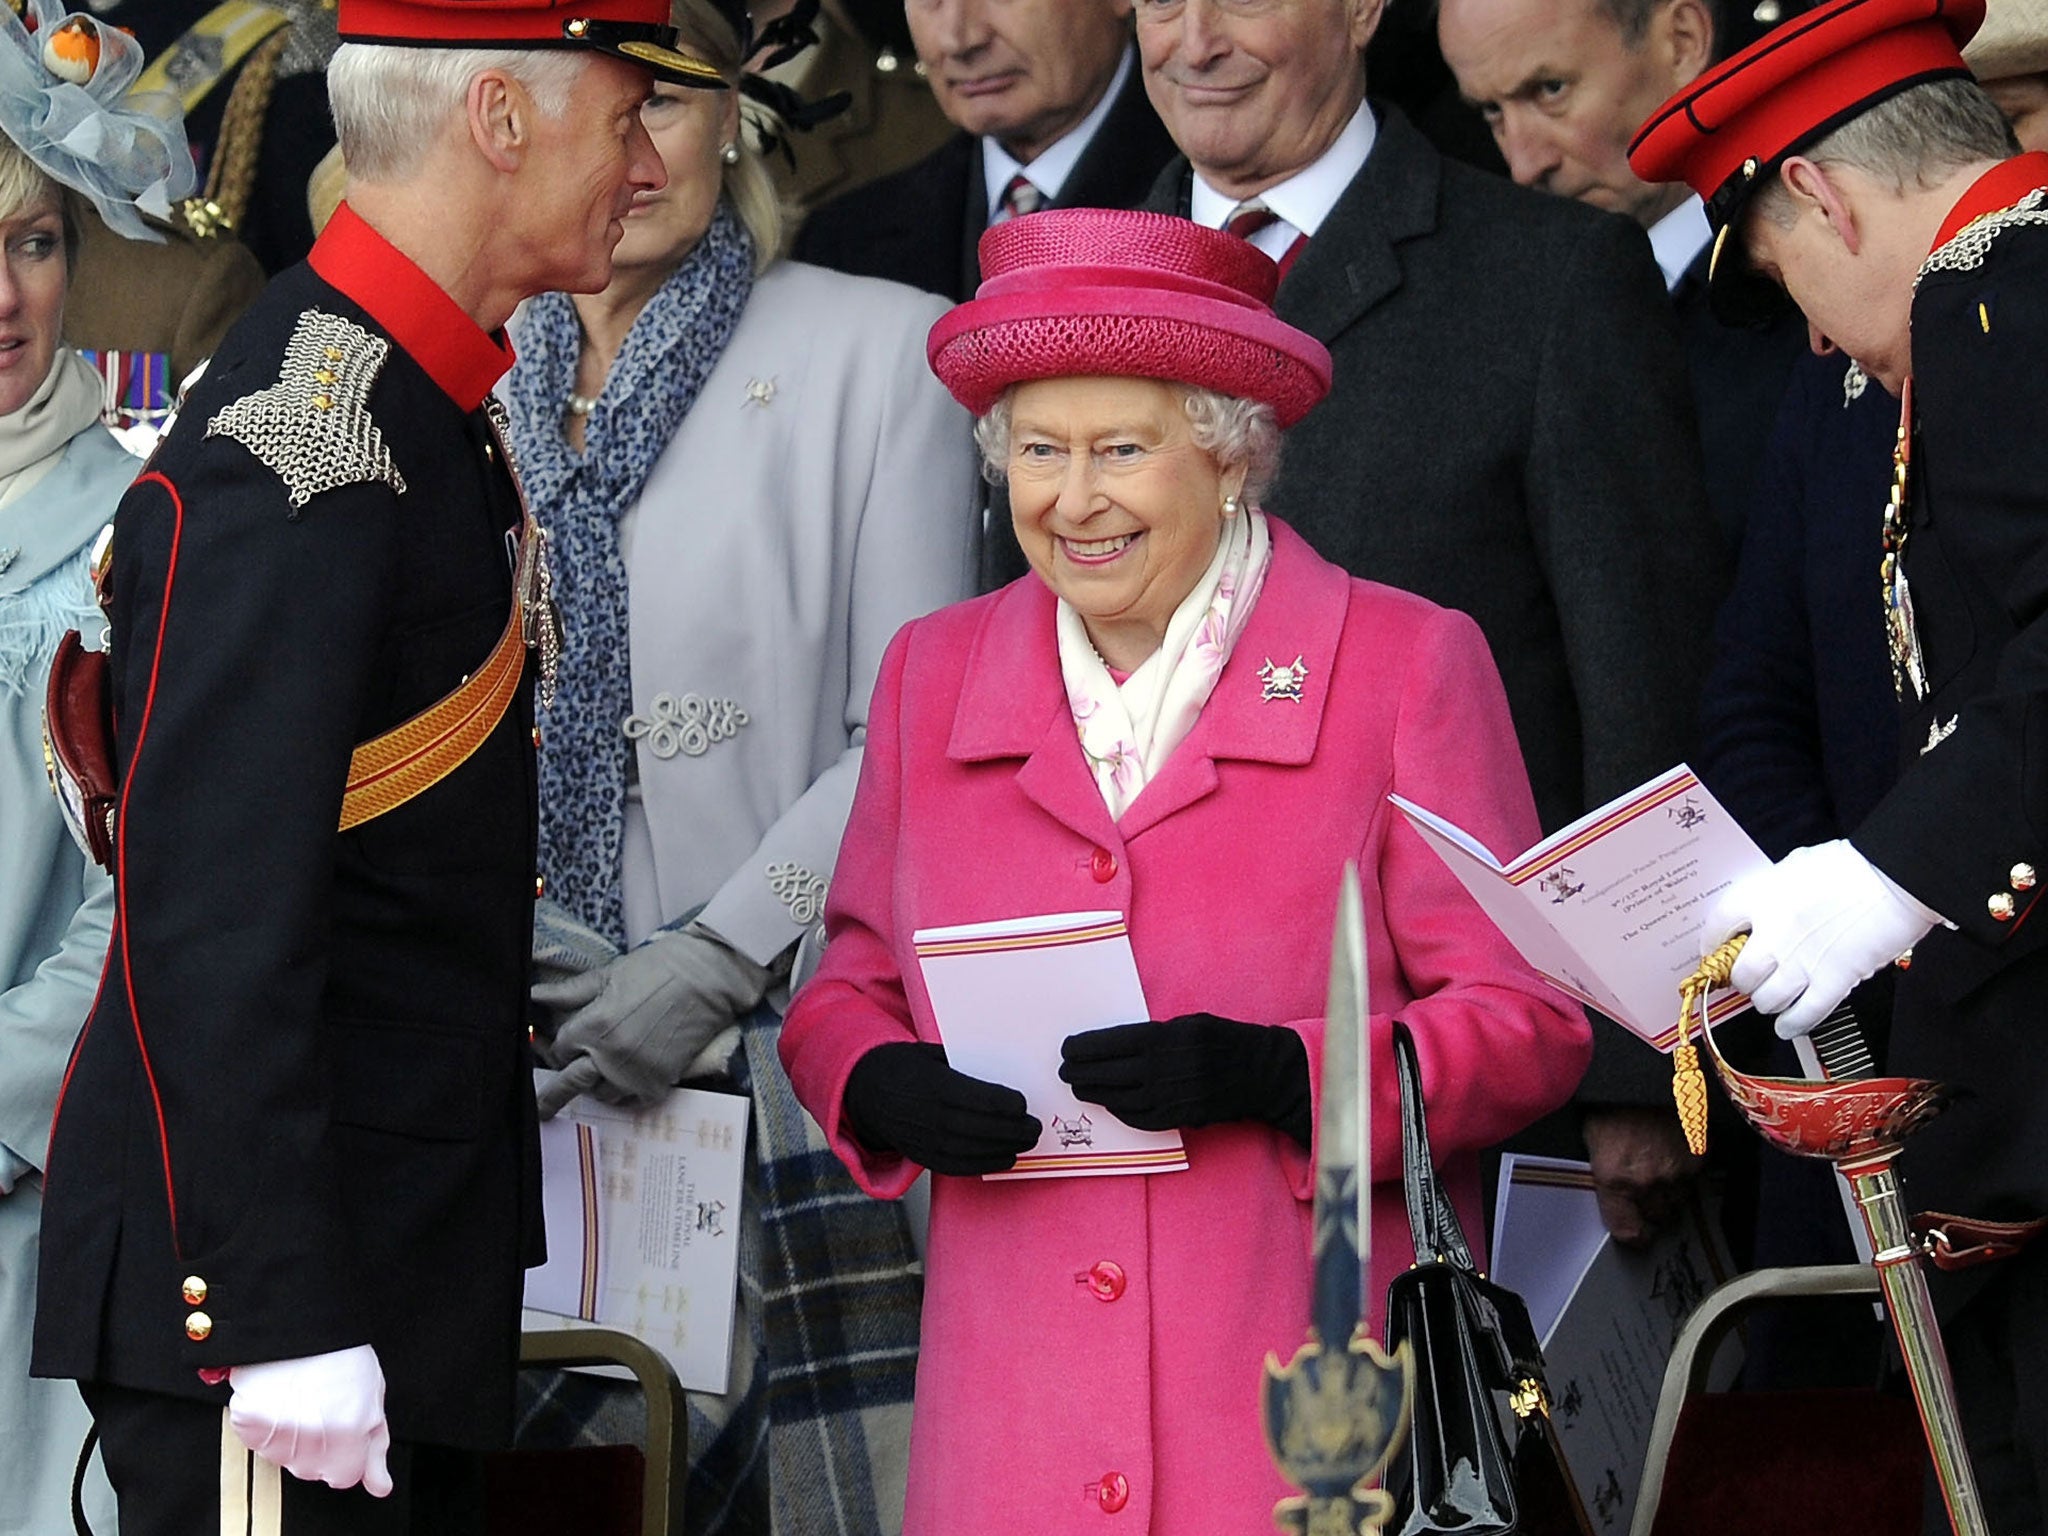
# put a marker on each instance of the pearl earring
(1230, 506)
(730, 154)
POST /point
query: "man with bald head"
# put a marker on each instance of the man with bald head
(1564, 84)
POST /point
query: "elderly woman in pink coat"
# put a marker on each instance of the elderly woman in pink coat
(1186, 715)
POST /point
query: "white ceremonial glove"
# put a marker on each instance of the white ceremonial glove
(1820, 920)
(632, 1026)
(320, 1418)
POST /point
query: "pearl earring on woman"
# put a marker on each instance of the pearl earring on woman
(1230, 506)
(729, 154)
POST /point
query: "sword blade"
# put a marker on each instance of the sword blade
(1343, 1191)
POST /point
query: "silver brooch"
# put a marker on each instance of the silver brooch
(1937, 733)
(1282, 682)
(1854, 382)
(760, 391)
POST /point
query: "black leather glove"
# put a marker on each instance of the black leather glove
(1193, 1070)
(902, 1097)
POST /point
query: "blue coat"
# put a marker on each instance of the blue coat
(55, 910)
(1798, 725)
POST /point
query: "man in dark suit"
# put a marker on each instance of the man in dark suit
(1853, 161)
(1564, 84)
(1510, 430)
(293, 1175)
(1051, 113)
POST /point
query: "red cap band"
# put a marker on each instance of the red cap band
(462, 23)
(1814, 72)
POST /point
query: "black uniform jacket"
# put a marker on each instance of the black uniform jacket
(921, 226)
(300, 1117)
(1965, 829)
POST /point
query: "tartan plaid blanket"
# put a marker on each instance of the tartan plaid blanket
(813, 1436)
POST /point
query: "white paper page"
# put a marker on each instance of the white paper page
(1514, 911)
(668, 1189)
(1632, 896)
(1605, 1358)
(1546, 1231)
(1539, 853)
(1006, 994)
(573, 1277)
(1620, 898)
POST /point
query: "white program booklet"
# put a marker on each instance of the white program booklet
(1610, 909)
(643, 1217)
(1005, 994)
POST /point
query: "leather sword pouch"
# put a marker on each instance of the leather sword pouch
(78, 745)
(1482, 1456)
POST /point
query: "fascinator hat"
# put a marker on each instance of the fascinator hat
(64, 78)
(1088, 292)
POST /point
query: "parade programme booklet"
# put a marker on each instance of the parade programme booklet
(1610, 909)
(1005, 994)
(643, 1217)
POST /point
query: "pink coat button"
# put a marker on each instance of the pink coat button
(1106, 1280)
(1113, 1492)
(1102, 865)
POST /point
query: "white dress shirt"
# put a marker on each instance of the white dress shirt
(1679, 237)
(1049, 170)
(1303, 200)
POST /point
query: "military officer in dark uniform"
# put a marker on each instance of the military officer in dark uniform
(1849, 157)
(292, 1183)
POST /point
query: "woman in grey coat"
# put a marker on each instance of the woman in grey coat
(750, 482)
(61, 474)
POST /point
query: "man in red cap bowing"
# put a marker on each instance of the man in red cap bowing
(292, 1183)
(1849, 158)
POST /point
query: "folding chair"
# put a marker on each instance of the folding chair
(1814, 1463)
(599, 1490)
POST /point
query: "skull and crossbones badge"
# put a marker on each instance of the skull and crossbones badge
(1283, 682)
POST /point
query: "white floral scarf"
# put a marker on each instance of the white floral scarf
(1128, 731)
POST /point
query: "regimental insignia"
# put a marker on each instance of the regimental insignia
(1282, 682)
(312, 428)
(1937, 733)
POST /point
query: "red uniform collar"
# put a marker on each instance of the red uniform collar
(456, 353)
(2000, 187)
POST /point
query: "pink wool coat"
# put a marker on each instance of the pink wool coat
(1055, 1394)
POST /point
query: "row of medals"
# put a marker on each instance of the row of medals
(1900, 631)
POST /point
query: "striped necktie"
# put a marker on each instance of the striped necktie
(1251, 216)
(1019, 198)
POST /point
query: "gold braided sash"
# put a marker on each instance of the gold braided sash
(388, 770)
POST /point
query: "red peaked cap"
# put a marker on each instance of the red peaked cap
(1795, 84)
(637, 31)
(1091, 292)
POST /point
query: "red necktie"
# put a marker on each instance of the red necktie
(1019, 198)
(1248, 218)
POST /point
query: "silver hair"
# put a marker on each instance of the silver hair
(1912, 139)
(391, 102)
(1229, 428)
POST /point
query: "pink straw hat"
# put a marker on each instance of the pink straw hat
(1074, 292)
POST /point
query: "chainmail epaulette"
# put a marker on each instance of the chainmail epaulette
(1965, 250)
(313, 427)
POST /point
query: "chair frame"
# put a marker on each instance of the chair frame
(668, 1423)
(1692, 1355)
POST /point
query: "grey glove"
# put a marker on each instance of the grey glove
(630, 1028)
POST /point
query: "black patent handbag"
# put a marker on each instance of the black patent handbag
(1482, 1456)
